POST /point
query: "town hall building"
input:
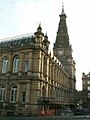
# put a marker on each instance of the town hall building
(31, 79)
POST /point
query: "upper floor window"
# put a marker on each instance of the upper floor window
(88, 87)
(13, 94)
(43, 91)
(88, 81)
(88, 95)
(5, 65)
(26, 66)
(2, 94)
(24, 96)
(16, 62)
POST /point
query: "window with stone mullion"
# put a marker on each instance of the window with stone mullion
(16, 64)
(26, 66)
(24, 96)
(5, 65)
(13, 94)
(2, 94)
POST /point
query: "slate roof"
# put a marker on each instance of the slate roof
(16, 41)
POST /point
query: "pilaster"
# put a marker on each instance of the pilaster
(28, 93)
(0, 63)
(30, 60)
(10, 62)
(21, 66)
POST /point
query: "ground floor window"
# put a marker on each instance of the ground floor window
(24, 96)
(2, 94)
(13, 94)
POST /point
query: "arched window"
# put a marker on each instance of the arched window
(5, 65)
(43, 91)
(2, 94)
(16, 62)
(26, 65)
(13, 94)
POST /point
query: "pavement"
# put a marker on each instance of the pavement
(48, 118)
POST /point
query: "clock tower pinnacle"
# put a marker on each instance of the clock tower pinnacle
(62, 48)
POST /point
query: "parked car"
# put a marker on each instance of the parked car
(81, 111)
(66, 112)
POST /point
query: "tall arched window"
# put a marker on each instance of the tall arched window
(5, 65)
(43, 91)
(13, 94)
(26, 65)
(16, 62)
(2, 93)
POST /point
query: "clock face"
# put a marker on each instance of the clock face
(60, 52)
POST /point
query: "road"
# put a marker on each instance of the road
(47, 118)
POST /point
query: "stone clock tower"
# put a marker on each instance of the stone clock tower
(63, 50)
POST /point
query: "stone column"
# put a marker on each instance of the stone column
(7, 94)
(10, 64)
(28, 93)
(62, 77)
(42, 59)
(30, 60)
(21, 62)
(0, 63)
(50, 71)
(18, 100)
(18, 93)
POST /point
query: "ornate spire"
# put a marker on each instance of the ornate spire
(63, 13)
(46, 35)
(46, 39)
(39, 30)
(62, 38)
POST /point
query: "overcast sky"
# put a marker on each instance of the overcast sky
(19, 17)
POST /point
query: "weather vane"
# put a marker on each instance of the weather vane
(62, 7)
